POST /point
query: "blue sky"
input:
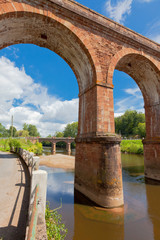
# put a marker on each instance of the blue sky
(38, 87)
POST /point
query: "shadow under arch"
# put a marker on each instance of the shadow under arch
(43, 31)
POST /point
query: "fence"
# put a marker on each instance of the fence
(38, 190)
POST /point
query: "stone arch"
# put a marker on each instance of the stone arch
(122, 53)
(64, 141)
(145, 70)
(52, 33)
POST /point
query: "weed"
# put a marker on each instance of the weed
(55, 228)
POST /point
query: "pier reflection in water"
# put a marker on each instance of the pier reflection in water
(139, 218)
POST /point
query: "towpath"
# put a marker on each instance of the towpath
(14, 197)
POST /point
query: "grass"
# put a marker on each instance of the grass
(55, 228)
(132, 146)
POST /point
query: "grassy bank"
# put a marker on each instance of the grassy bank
(132, 146)
(7, 144)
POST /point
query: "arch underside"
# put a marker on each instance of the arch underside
(33, 28)
(145, 74)
(63, 141)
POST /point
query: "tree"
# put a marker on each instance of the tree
(25, 126)
(127, 124)
(49, 135)
(141, 130)
(10, 131)
(59, 134)
(3, 131)
(32, 129)
(71, 130)
(22, 133)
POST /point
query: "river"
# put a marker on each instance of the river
(139, 219)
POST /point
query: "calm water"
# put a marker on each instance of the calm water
(138, 220)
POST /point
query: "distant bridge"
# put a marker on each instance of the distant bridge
(53, 141)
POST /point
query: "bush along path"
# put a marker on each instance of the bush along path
(8, 144)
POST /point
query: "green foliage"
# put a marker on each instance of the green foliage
(12, 132)
(55, 228)
(32, 129)
(14, 144)
(127, 124)
(22, 133)
(3, 131)
(36, 148)
(59, 134)
(132, 146)
(9, 144)
(4, 145)
(71, 130)
(141, 130)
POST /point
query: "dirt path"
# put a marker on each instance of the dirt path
(14, 197)
(58, 161)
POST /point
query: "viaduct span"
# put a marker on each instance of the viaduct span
(93, 46)
(53, 141)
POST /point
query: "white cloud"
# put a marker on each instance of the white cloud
(134, 91)
(119, 10)
(118, 114)
(29, 102)
(134, 102)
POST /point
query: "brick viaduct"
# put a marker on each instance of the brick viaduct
(53, 141)
(93, 46)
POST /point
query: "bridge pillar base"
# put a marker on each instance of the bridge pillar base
(53, 149)
(98, 171)
(69, 148)
(152, 158)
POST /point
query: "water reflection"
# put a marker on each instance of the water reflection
(153, 200)
(138, 220)
(94, 223)
(60, 188)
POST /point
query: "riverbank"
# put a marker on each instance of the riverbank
(68, 162)
(58, 161)
(132, 146)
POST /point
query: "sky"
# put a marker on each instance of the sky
(38, 87)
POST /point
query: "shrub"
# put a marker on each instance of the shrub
(132, 146)
(55, 228)
(14, 144)
(10, 144)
